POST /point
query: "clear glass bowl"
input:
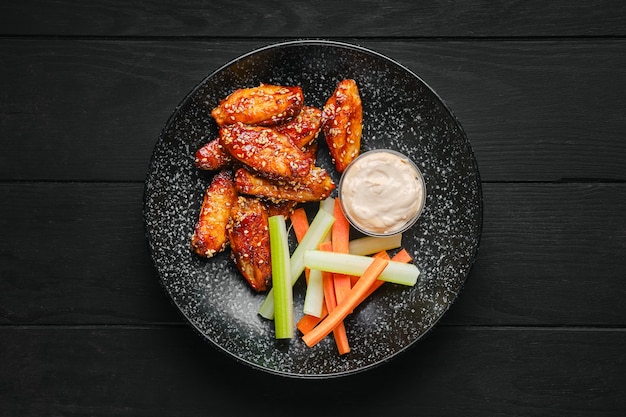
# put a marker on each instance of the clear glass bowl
(382, 192)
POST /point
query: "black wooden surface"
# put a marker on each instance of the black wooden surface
(540, 327)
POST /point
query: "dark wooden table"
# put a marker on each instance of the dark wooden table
(85, 88)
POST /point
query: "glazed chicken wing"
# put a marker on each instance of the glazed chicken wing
(210, 236)
(342, 123)
(212, 157)
(304, 128)
(315, 186)
(283, 208)
(310, 150)
(268, 152)
(265, 105)
(250, 242)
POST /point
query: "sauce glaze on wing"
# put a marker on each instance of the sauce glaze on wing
(315, 186)
(342, 123)
(211, 156)
(250, 242)
(266, 151)
(304, 128)
(209, 236)
(265, 105)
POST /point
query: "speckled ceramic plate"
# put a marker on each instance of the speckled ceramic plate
(401, 112)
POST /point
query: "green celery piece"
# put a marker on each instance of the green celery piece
(370, 245)
(314, 298)
(343, 263)
(319, 228)
(328, 205)
(281, 278)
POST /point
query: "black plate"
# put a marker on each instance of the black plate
(400, 112)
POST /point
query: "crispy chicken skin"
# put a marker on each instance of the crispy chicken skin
(212, 157)
(342, 123)
(283, 208)
(250, 242)
(310, 150)
(210, 236)
(315, 186)
(265, 105)
(268, 152)
(304, 128)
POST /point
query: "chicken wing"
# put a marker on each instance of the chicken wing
(283, 208)
(310, 150)
(265, 105)
(304, 128)
(250, 242)
(315, 186)
(342, 123)
(210, 236)
(212, 157)
(268, 152)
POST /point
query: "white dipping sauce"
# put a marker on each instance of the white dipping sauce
(381, 192)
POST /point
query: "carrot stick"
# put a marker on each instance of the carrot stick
(353, 280)
(339, 332)
(337, 315)
(329, 290)
(308, 321)
(341, 244)
(328, 283)
(384, 255)
(402, 256)
(340, 230)
(300, 224)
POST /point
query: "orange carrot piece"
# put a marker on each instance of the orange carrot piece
(339, 313)
(353, 280)
(328, 283)
(341, 338)
(308, 321)
(340, 230)
(378, 283)
(300, 222)
(382, 254)
(339, 332)
(340, 233)
(402, 256)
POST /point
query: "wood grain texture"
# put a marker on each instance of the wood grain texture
(370, 18)
(75, 253)
(92, 110)
(550, 254)
(170, 372)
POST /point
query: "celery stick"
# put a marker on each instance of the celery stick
(328, 205)
(319, 228)
(369, 245)
(314, 298)
(281, 278)
(342, 263)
